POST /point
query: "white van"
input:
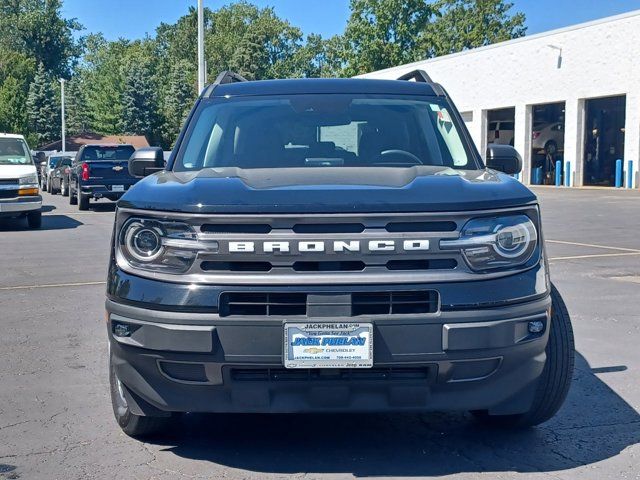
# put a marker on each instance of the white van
(19, 189)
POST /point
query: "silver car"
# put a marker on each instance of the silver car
(548, 137)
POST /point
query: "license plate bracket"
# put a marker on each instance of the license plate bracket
(328, 345)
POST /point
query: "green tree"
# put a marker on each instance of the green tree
(139, 108)
(43, 108)
(102, 78)
(384, 33)
(16, 74)
(464, 24)
(179, 98)
(319, 57)
(37, 29)
(76, 113)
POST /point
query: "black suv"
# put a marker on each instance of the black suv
(337, 246)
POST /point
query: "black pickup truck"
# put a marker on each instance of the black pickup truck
(99, 171)
(332, 245)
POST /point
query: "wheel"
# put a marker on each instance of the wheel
(130, 423)
(34, 219)
(551, 148)
(48, 186)
(555, 379)
(73, 197)
(63, 188)
(83, 201)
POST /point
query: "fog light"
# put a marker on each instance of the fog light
(122, 329)
(536, 326)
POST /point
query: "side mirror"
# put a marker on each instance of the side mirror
(504, 158)
(146, 161)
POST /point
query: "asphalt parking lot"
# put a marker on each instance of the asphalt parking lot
(55, 414)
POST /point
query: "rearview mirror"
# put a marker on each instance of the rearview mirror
(504, 158)
(146, 161)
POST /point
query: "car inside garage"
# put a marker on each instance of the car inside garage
(604, 139)
(501, 126)
(547, 142)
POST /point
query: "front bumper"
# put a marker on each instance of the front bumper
(19, 205)
(472, 359)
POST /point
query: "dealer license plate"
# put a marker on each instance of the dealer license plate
(117, 188)
(328, 345)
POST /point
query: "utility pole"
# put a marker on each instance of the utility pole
(202, 74)
(64, 140)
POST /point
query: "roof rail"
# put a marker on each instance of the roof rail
(227, 76)
(417, 75)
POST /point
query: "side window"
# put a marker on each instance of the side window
(506, 126)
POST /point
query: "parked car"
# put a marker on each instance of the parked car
(49, 166)
(19, 190)
(548, 137)
(501, 132)
(376, 267)
(100, 171)
(59, 178)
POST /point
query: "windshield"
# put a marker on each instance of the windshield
(108, 153)
(323, 131)
(14, 151)
(53, 162)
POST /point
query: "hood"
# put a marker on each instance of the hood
(16, 171)
(327, 190)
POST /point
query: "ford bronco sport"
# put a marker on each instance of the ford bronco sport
(325, 245)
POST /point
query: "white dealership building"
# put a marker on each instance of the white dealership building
(567, 98)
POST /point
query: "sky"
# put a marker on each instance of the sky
(135, 18)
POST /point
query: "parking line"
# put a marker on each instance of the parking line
(596, 255)
(606, 247)
(52, 285)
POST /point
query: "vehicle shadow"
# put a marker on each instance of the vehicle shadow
(102, 206)
(49, 222)
(594, 424)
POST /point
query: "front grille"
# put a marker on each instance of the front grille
(236, 266)
(9, 193)
(394, 303)
(329, 266)
(281, 304)
(337, 374)
(262, 304)
(421, 227)
(235, 228)
(269, 250)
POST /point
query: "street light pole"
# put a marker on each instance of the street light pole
(202, 74)
(64, 140)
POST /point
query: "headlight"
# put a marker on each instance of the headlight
(496, 242)
(157, 245)
(28, 180)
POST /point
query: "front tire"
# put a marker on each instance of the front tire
(130, 423)
(34, 219)
(73, 197)
(555, 379)
(551, 148)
